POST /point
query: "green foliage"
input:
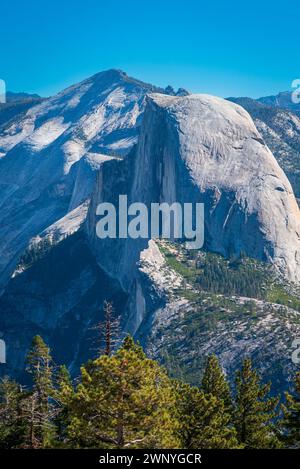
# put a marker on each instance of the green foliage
(126, 400)
(180, 350)
(123, 401)
(213, 273)
(130, 345)
(231, 277)
(12, 425)
(241, 276)
(39, 365)
(37, 408)
(204, 421)
(214, 382)
(254, 410)
(291, 421)
(213, 286)
(62, 393)
(277, 294)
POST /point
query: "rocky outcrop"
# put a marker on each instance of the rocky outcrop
(200, 148)
(66, 155)
(280, 129)
(42, 176)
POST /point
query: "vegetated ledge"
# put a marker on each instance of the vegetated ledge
(225, 307)
(206, 272)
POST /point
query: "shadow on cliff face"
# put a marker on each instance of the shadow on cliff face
(60, 297)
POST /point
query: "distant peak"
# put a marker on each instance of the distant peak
(115, 72)
(110, 74)
(13, 96)
(113, 75)
(117, 75)
(180, 92)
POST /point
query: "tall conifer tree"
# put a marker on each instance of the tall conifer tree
(291, 422)
(39, 408)
(123, 400)
(254, 410)
(204, 421)
(214, 382)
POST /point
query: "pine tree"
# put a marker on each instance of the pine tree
(291, 421)
(12, 426)
(63, 379)
(130, 345)
(214, 382)
(38, 408)
(109, 327)
(123, 401)
(108, 330)
(204, 421)
(63, 393)
(254, 410)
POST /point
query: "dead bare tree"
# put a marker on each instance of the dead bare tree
(108, 332)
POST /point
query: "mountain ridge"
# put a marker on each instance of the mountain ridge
(109, 135)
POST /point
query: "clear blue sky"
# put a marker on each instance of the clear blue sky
(228, 48)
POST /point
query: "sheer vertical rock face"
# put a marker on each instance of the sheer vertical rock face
(200, 148)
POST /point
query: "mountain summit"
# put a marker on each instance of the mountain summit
(111, 135)
(41, 152)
